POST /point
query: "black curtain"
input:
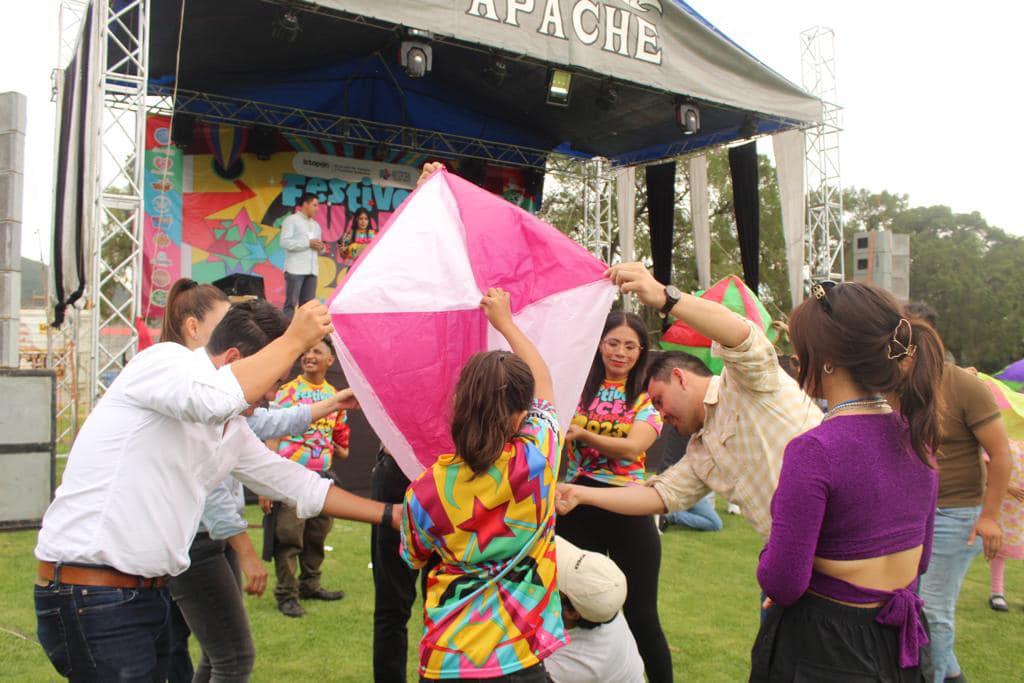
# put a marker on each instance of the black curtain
(69, 195)
(743, 168)
(661, 204)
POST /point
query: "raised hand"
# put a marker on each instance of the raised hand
(429, 169)
(310, 324)
(497, 305)
(634, 278)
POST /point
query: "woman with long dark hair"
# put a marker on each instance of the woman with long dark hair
(491, 608)
(853, 512)
(614, 426)
(359, 233)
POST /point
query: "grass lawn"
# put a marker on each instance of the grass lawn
(708, 605)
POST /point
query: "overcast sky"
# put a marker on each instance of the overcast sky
(930, 92)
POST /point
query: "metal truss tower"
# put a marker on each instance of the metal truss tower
(823, 238)
(598, 202)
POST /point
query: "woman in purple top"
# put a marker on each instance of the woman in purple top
(852, 516)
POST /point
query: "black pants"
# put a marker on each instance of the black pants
(394, 583)
(819, 640)
(633, 543)
(209, 594)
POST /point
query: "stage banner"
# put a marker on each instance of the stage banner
(213, 214)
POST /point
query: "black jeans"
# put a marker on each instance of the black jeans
(633, 543)
(394, 583)
(210, 596)
(179, 667)
(298, 289)
(94, 633)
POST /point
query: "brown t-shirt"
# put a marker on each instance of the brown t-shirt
(967, 405)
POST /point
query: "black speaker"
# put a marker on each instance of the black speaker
(241, 284)
(183, 128)
(261, 142)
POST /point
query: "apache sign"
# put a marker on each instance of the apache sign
(655, 43)
(615, 29)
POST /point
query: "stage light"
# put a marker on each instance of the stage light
(495, 71)
(607, 96)
(261, 142)
(559, 88)
(287, 26)
(417, 58)
(688, 117)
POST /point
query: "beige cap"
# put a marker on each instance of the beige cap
(594, 583)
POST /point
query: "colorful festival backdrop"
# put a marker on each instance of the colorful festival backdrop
(215, 201)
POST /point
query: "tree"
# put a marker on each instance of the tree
(965, 269)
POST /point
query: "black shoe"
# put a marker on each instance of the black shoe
(321, 594)
(959, 678)
(291, 608)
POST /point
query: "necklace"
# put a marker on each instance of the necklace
(867, 402)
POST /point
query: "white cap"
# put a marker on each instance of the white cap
(592, 581)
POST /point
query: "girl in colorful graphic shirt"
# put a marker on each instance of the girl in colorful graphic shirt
(360, 232)
(492, 607)
(614, 426)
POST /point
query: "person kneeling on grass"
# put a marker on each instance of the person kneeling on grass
(602, 649)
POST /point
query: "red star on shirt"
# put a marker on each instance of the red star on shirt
(487, 523)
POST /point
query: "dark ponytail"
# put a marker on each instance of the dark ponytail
(918, 392)
(187, 299)
(886, 350)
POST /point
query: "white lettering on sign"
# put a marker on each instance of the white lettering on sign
(616, 31)
(552, 20)
(486, 5)
(592, 22)
(515, 7)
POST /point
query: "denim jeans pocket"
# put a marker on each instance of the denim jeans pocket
(52, 634)
(96, 599)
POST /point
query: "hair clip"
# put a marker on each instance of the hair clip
(898, 349)
(820, 290)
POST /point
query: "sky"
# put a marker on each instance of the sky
(928, 90)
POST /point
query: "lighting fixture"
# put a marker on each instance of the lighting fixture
(287, 26)
(607, 96)
(688, 117)
(559, 87)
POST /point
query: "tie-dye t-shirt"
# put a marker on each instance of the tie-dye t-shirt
(610, 414)
(313, 448)
(492, 605)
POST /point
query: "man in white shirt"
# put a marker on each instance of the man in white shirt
(601, 647)
(165, 433)
(302, 244)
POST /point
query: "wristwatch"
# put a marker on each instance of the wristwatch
(672, 297)
(385, 518)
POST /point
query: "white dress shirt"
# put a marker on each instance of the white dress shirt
(158, 442)
(299, 257)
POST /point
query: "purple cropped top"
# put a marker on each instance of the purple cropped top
(851, 489)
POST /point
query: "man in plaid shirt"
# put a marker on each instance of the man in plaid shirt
(738, 423)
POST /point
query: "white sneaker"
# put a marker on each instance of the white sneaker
(733, 509)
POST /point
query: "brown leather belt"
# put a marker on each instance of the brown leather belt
(96, 576)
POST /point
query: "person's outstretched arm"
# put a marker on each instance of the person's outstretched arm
(713, 320)
(262, 370)
(497, 306)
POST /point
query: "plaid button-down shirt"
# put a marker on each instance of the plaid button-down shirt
(751, 412)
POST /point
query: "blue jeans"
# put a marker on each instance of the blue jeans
(701, 516)
(940, 585)
(298, 289)
(93, 633)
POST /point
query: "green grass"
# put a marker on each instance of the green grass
(708, 606)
